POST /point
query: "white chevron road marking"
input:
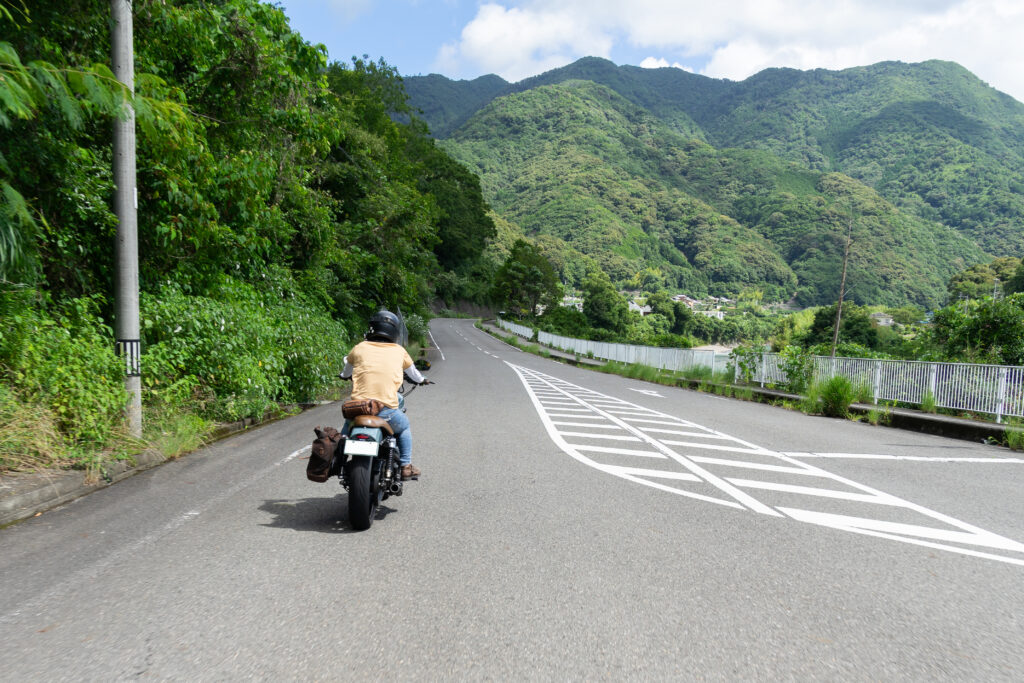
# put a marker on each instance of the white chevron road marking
(692, 472)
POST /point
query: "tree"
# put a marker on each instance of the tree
(603, 305)
(464, 226)
(683, 323)
(855, 326)
(1015, 284)
(661, 304)
(566, 320)
(979, 280)
(526, 281)
(990, 331)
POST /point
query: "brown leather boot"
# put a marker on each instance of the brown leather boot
(410, 472)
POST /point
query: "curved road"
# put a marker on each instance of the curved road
(568, 525)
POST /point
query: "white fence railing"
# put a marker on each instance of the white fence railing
(993, 389)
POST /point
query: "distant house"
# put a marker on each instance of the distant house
(882, 319)
(573, 302)
(719, 315)
(689, 301)
(642, 310)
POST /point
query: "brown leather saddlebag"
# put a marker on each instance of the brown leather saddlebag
(322, 453)
(355, 408)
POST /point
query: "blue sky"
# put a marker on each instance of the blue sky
(720, 38)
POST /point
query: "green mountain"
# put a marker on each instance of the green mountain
(447, 104)
(932, 139)
(603, 182)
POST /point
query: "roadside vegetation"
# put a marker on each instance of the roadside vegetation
(279, 204)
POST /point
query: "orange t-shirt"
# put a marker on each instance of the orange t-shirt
(377, 371)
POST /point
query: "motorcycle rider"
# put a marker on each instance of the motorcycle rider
(376, 367)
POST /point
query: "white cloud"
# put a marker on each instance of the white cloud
(662, 63)
(737, 38)
(516, 43)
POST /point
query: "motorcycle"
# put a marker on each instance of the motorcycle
(369, 465)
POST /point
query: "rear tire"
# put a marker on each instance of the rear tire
(361, 501)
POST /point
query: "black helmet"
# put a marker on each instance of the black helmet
(384, 326)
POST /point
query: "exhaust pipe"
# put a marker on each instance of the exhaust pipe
(395, 488)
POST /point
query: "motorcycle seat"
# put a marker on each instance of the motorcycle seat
(372, 421)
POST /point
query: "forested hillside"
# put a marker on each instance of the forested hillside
(596, 175)
(940, 146)
(279, 204)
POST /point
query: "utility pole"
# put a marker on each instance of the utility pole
(126, 296)
(842, 285)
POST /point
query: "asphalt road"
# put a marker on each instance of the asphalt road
(568, 525)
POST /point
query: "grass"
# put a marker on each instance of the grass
(30, 441)
(743, 393)
(928, 402)
(864, 393)
(1015, 435)
(880, 416)
(29, 438)
(174, 433)
(837, 393)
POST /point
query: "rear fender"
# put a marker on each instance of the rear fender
(357, 445)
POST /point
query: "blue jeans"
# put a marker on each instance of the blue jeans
(400, 426)
(403, 431)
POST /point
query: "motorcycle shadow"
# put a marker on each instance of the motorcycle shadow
(326, 515)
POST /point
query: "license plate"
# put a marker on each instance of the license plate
(355, 447)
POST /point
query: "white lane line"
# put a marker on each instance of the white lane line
(585, 424)
(916, 458)
(902, 530)
(702, 435)
(649, 392)
(676, 422)
(970, 529)
(883, 499)
(660, 474)
(717, 447)
(618, 451)
(826, 520)
(435, 344)
(576, 416)
(608, 437)
(624, 412)
(90, 573)
(781, 469)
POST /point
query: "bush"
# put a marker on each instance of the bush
(837, 393)
(63, 361)
(238, 352)
(418, 329)
(746, 359)
(798, 364)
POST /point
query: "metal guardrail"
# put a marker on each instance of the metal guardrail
(994, 389)
(664, 359)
